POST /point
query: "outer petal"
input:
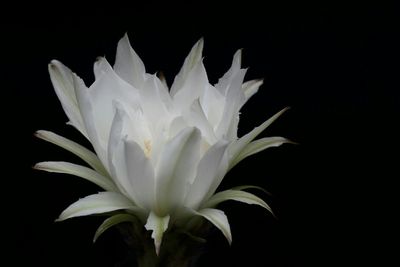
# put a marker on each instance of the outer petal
(96, 104)
(108, 88)
(219, 219)
(85, 154)
(234, 99)
(251, 87)
(77, 170)
(237, 146)
(195, 117)
(99, 203)
(140, 173)
(209, 172)
(158, 225)
(63, 84)
(193, 87)
(230, 85)
(128, 65)
(86, 107)
(176, 168)
(236, 195)
(110, 222)
(244, 187)
(191, 61)
(213, 103)
(258, 146)
(225, 81)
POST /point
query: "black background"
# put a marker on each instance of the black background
(335, 65)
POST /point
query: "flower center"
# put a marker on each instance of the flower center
(147, 148)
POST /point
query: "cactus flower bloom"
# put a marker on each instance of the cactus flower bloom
(159, 153)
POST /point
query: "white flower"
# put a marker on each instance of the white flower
(160, 154)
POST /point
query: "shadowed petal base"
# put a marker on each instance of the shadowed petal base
(178, 249)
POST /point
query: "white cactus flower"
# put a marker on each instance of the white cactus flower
(159, 154)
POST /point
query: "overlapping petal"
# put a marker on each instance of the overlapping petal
(85, 154)
(192, 60)
(77, 170)
(62, 79)
(174, 170)
(128, 64)
(210, 170)
(98, 203)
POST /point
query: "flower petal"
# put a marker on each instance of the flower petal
(158, 225)
(225, 81)
(175, 168)
(163, 80)
(233, 102)
(85, 154)
(237, 146)
(86, 107)
(135, 184)
(155, 100)
(128, 64)
(96, 104)
(230, 85)
(108, 88)
(98, 203)
(63, 84)
(251, 87)
(140, 173)
(258, 146)
(77, 170)
(110, 222)
(195, 117)
(100, 67)
(191, 61)
(210, 171)
(219, 219)
(244, 187)
(213, 103)
(236, 195)
(192, 88)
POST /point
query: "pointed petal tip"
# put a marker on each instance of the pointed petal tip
(36, 166)
(238, 56)
(53, 63)
(125, 37)
(158, 225)
(200, 42)
(40, 133)
(288, 141)
(40, 166)
(273, 215)
(279, 113)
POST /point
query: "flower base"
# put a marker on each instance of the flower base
(179, 248)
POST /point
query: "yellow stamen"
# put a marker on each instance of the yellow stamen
(147, 148)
